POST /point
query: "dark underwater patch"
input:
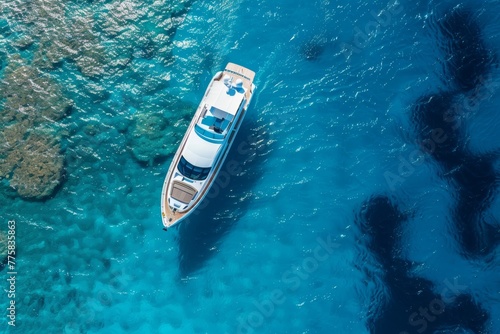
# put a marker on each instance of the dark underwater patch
(312, 49)
(438, 119)
(412, 305)
(437, 125)
(467, 57)
(476, 181)
(381, 220)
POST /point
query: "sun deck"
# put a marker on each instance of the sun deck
(244, 74)
(183, 192)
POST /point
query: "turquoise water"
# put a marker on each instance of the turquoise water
(275, 248)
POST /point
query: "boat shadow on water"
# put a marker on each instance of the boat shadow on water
(200, 234)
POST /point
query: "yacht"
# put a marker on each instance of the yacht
(206, 143)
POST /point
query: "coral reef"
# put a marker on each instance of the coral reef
(113, 39)
(30, 154)
(3, 246)
(57, 36)
(30, 95)
(31, 161)
(151, 137)
(75, 41)
(23, 42)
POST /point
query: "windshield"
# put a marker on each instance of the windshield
(192, 172)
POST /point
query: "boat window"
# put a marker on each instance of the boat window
(192, 172)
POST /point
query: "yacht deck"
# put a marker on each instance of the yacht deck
(246, 75)
(179, 190)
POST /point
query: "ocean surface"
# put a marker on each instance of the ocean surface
(361, 205)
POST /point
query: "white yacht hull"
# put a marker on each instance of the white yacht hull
(184, 189)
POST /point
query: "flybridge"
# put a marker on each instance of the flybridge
(223, 102)
(226, 97)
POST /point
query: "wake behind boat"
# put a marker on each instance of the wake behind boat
(206, 143)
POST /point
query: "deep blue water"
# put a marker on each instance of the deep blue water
(327, 227)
